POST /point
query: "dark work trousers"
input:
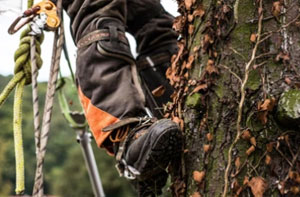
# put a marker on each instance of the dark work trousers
(107, 82)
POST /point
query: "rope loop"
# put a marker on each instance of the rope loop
(22, 54)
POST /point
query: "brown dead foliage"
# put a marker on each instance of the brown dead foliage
(253, 141)
(237, 162)
(264, 108)
(258, 186)
(191, 29)
(276, 8)
(253, 37)
(209, 137)
(189, 4)
(206, 148)
(283, 57)
(268, 160)
(200, 87)
(159, 91)
(190, 62)
(199, 12)
(198, 176)
(246, 135)
(196, 194)
(250, 150)
(210, 67)
(179, 121)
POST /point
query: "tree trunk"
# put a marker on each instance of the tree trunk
(237, 96)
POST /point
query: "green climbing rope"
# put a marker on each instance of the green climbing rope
(21, 78)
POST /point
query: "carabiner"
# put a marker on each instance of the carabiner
(28, 15)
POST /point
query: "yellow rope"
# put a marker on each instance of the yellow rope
(19, 153)
(21, 78)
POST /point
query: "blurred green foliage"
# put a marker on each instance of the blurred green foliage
(65, 172)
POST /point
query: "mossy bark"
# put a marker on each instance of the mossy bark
(222, 41)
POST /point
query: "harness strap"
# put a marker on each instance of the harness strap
(100, 35)
(153, 60)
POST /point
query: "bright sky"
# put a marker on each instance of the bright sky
(10, 9)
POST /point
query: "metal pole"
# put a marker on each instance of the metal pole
(84, 138)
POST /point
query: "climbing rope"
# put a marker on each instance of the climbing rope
(57, 49)
(21, 78)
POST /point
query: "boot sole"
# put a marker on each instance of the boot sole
(166, 147)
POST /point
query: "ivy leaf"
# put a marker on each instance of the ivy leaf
(159, 91)
(258, 186)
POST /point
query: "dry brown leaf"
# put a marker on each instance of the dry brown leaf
(199, 12)
(209, 137)
(196, 194)
(250, 150)
(246, 135)
(268, 160)
(295, 190)
(185, 150)
(258, 186)
(186, 75)
(253, 37)
(210, 67)
(287, 80)
(206, 148)
(191, 29)
(179, 121)
(276, 8)
(188, 4)
(270, 147)
(200, 87)
(196, 49)
(264, 108)
(198, 176)
(237, 162)
(282, 56)
(246, 180)
(207, 39)
(292, 175)
(178, 24)
(190, 62)
(268, 105)
(253, 141)
(190, 18)
(159, 91)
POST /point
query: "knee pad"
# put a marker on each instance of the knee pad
(114, 43)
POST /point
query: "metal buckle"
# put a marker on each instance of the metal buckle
(127, 171)
(151, 63)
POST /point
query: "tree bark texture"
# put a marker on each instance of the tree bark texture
(236, 79)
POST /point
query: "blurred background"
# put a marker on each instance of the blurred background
(64, 171)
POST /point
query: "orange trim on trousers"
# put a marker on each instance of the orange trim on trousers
(97, 119)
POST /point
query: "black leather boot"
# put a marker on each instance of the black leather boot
(147, 150)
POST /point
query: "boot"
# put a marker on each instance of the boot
(146, 151)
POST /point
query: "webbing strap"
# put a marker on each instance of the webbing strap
(153, 60)
(98, 35)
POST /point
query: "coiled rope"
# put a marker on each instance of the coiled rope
(22, 77)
